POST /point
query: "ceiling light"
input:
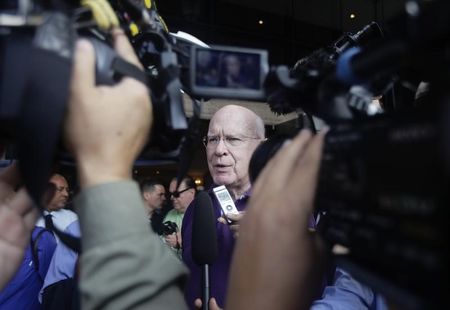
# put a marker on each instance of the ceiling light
(260, 22)
(352, 16)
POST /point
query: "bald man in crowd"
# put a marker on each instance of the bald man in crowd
(58, 290)
(234, 133)
(54, 213)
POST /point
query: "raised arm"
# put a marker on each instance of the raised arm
(123, 264)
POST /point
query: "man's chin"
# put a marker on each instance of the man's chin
(223, 180)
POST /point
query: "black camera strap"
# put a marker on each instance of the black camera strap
(45, 95)
(124, 68)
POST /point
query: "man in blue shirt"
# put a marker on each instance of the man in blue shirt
(61, 271)
(23, 290)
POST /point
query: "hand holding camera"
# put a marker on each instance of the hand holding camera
(172, 235)
(108, 154)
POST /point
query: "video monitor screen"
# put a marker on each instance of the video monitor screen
(226, 72)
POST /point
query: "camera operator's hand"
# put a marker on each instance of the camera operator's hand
(276, 260)
(17, 219)
(106, 127)
(235, 218)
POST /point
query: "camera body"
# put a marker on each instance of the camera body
(383, 191)
(169, 228)
(36, 49)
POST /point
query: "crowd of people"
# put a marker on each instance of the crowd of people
(267, 256)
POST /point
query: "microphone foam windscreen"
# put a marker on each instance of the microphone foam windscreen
(204, 237)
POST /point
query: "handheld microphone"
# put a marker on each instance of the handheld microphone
(204, 240)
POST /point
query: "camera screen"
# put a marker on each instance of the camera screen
(228, 72)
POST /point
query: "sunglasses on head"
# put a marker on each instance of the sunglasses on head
(176, 194)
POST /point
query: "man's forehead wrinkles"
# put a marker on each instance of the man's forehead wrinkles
(230, 131)
(230, 118)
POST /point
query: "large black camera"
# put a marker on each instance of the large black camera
(36, 47)
(383, 191)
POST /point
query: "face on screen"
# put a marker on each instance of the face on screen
(226, 73)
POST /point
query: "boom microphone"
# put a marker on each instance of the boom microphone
(204, 240)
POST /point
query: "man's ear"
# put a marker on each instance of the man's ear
(146, 195)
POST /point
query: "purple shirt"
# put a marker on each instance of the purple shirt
(219, 271)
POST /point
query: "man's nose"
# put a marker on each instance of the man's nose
(65, 192)
(221, 147)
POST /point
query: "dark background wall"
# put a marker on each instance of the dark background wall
(291, 29)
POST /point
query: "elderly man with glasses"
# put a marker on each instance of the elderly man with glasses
(234, 133)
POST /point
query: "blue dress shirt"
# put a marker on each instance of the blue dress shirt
(64, 260)
(22, 291)
(348, 294)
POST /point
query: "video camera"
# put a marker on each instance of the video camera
(36, 48)
(384, 178)
(383, 189)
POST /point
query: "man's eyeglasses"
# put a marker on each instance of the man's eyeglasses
(177, 194)
(230, 141)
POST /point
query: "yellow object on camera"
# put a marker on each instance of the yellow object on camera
(102, 12)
